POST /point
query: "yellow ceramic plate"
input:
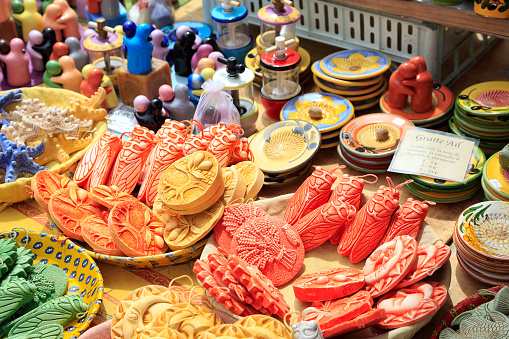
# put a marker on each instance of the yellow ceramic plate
(315, 68)
(492, 195)
(348, 91)
(496, 177)
(485, 99)
(82, 272)
(368, 96)
(355, 64)
(285, 146)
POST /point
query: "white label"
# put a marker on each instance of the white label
(495, 183)
(399, 121)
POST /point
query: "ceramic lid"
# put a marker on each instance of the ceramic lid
(236, 14)
(94, 44)
(242, 80)
(269, 61)
(288, 16)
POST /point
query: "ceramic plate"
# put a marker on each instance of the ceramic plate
(475, 170)
(285, 146)
(358, 136)
(288, 175)
(355, 64)
(491, 126)
(336, 110)
(303, 176)
(367, 96)
(427, 189)
(331, 134)
(495, 177)
(442, 121)
(491, 141)
(442, 103)
(490, 193)
(315, 68)
(360, 105)
(483, 227)
(354, 90)
(362, 161)
(477, 276)
(82, 272)
(482, 132)
(353, 161)
(482, 272)
(487, 98)
(501, 120)
(360, 168)
(450, 200)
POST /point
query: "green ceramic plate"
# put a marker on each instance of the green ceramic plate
(485, 99)
(481, 124)
(499, 139)
(441, 200)
(488, 194)
(427, 189)
(495, 177)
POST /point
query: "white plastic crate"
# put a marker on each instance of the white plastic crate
(399, 38)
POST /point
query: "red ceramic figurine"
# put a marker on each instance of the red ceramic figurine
(59, 50)
(91, 84)
(422, 100)
(398, 91)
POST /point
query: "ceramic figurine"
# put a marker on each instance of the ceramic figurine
(17, 8)
(46, 47)
(180, 108)
(161, 49)
(53, 69)
(203, 51)
(148, 113)
(139, 50)
(30, 19)
(50, 19)
(69, 18)
(59, 50)
(90, 85)
(307, 329)
(398, 91)
(111, 100)
(35, 38)
(183, 52)
(70, 78)
(16, 62)
(166, 95)
(94, 6)
(109, 8)
(422, 100)
(183, 29)
(215, 57)
(212, 42)
(79, 56)
(4, 50)
(7, 24)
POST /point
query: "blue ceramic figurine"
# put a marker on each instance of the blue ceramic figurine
(138, 48)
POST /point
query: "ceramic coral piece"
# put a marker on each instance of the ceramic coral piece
(327, 285)
(109, 196)
(389, 264)
(272, 246)
(253, 177)
(411, 304)
(365, 320)
(429, 259)
(313, 192)
(89, 108)
(97, 235)
(136, 230)
(233, 218)
(68, 208)
(57, 121)
(407, 220)
(320, 224)
(19, 159)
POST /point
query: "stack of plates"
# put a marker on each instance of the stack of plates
(443, 191)
(482, 112)
(284, 151)
(336, 112)
(356, 75)
(436, 118)
(495, 180)
(359, 147)
(482, 242)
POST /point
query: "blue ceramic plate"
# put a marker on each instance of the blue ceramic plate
(355, 64)
(336, 110)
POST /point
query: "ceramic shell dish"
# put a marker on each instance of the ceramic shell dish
(82, 272)
(13, 192)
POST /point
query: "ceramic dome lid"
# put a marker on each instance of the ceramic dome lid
(269, 60)
(288, 15)
(222, 16)
(242, 80)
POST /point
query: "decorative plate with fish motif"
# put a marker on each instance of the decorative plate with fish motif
(285, 146)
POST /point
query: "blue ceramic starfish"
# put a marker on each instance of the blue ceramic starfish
(7, 99)
(18, 159)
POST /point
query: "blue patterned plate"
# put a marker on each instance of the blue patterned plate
(355, 64)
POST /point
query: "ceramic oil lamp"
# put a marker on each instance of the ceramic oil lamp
(237, 77)
(232, 30)
(280, 69)
(105, 47)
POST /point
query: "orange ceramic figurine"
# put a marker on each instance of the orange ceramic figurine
(49, 19)
(70, 78)
(94, 6)
(422, 100)
(69, 18)
(16, 62)
(59, 50)
(398, 90)
(91, 84)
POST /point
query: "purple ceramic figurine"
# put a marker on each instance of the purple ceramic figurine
(35, 38)
(161, 48)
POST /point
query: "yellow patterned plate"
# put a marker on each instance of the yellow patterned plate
(483, 227)
(165, 259)
(82, 272)
(495, 177)
(485, 99)
(316, 70)
(355, 64)
(285, 146)
(340, 90)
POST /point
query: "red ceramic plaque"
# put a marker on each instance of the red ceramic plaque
(340, 310)
(272, 246)
(233, 218)
(109, 196)
(136, 230)
(412, 304)
(364, 320)
(429, 259)
(313, 193)
(45, 183)
(68, 208)
(97, 235)
(258, 285)
(319, 225)
(328, 285)
(389, 264)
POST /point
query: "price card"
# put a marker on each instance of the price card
(433, 154)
